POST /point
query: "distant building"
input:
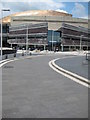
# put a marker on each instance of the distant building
(74, 37)
(31, 34)
(47, 29)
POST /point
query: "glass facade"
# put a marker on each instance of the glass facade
(5, 31)
(53, 37)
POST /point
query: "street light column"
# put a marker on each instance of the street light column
(1, 34)
(2, 27)
(80, 43)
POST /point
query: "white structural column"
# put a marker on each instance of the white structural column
(62, 47)
(81, 42)
(52, 39)
(27, 40)
(44, 47)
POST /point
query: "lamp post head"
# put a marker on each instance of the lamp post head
(5, 9)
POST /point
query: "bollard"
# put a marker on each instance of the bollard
(15, 55)
(6, 57)
(22, 54)
(30, 53)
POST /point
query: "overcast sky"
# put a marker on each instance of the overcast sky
(77, 9)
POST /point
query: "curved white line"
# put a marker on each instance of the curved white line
(20, 58)
(67, 75)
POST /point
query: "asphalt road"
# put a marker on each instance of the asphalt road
(77, 65)
(31, 89)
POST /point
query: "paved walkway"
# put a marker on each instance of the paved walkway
(76, 65)
(31, 89)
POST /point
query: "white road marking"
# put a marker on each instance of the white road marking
(67, 75)
(20, 58)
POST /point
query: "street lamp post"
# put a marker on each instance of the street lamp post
(1, 34)
(1, 27)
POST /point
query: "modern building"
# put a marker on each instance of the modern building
(74, 37)
(32, 35)
(47, 29)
